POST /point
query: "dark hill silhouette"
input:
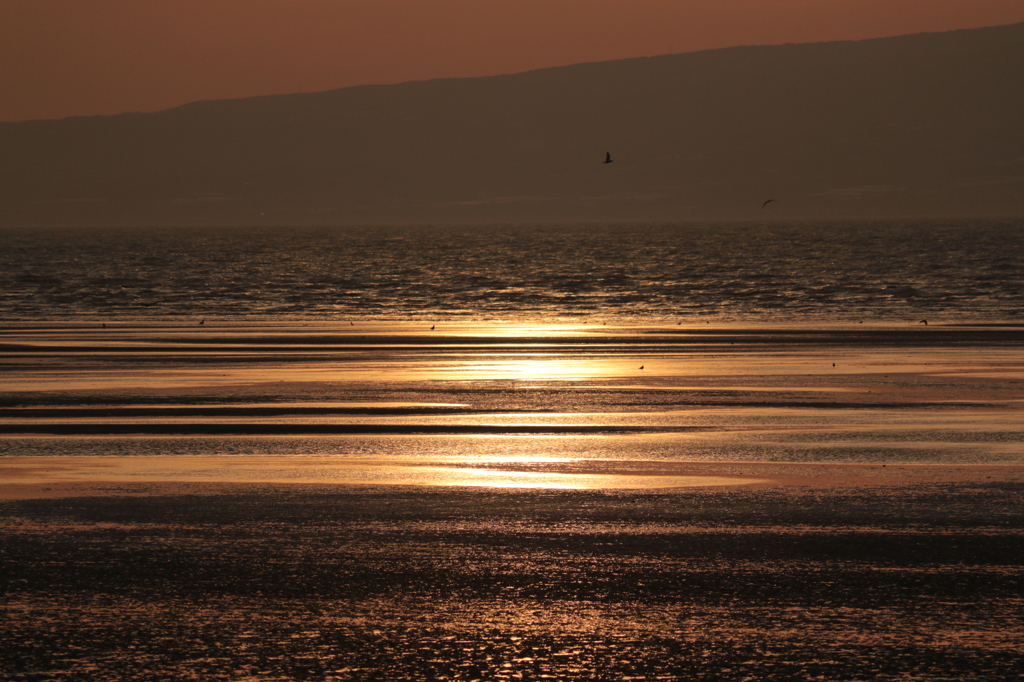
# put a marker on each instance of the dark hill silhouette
(921, 125)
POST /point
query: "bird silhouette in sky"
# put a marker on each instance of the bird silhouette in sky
(607, 157)
(767, 202)
(924, 322)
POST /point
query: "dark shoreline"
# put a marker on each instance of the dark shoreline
(919, 582)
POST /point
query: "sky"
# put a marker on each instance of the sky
(63, 58)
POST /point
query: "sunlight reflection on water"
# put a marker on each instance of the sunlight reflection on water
(558, 481)
(271, 469)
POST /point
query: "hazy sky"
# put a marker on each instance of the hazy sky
(70, 57)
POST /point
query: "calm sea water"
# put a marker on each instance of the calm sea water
(954, 271)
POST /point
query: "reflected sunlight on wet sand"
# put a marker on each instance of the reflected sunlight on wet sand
(82, 474)
(511, 502)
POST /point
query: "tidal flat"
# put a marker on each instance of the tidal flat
(507, 502)
(416, 583)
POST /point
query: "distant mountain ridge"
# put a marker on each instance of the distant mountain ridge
(926, 125)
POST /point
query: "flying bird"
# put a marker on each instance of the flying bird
(924, 322)
(641, 366)
(607, 157)
(202, 321)
(767, 202)
(431, 327)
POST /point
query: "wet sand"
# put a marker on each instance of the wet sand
(333, 504)
(415, 583)
(49, 477)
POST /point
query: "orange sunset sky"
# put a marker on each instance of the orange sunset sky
(79, 57)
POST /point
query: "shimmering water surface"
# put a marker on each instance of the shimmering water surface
(834, 271)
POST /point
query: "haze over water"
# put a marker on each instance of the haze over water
(757, 272)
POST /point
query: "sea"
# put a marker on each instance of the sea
(952, 270)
